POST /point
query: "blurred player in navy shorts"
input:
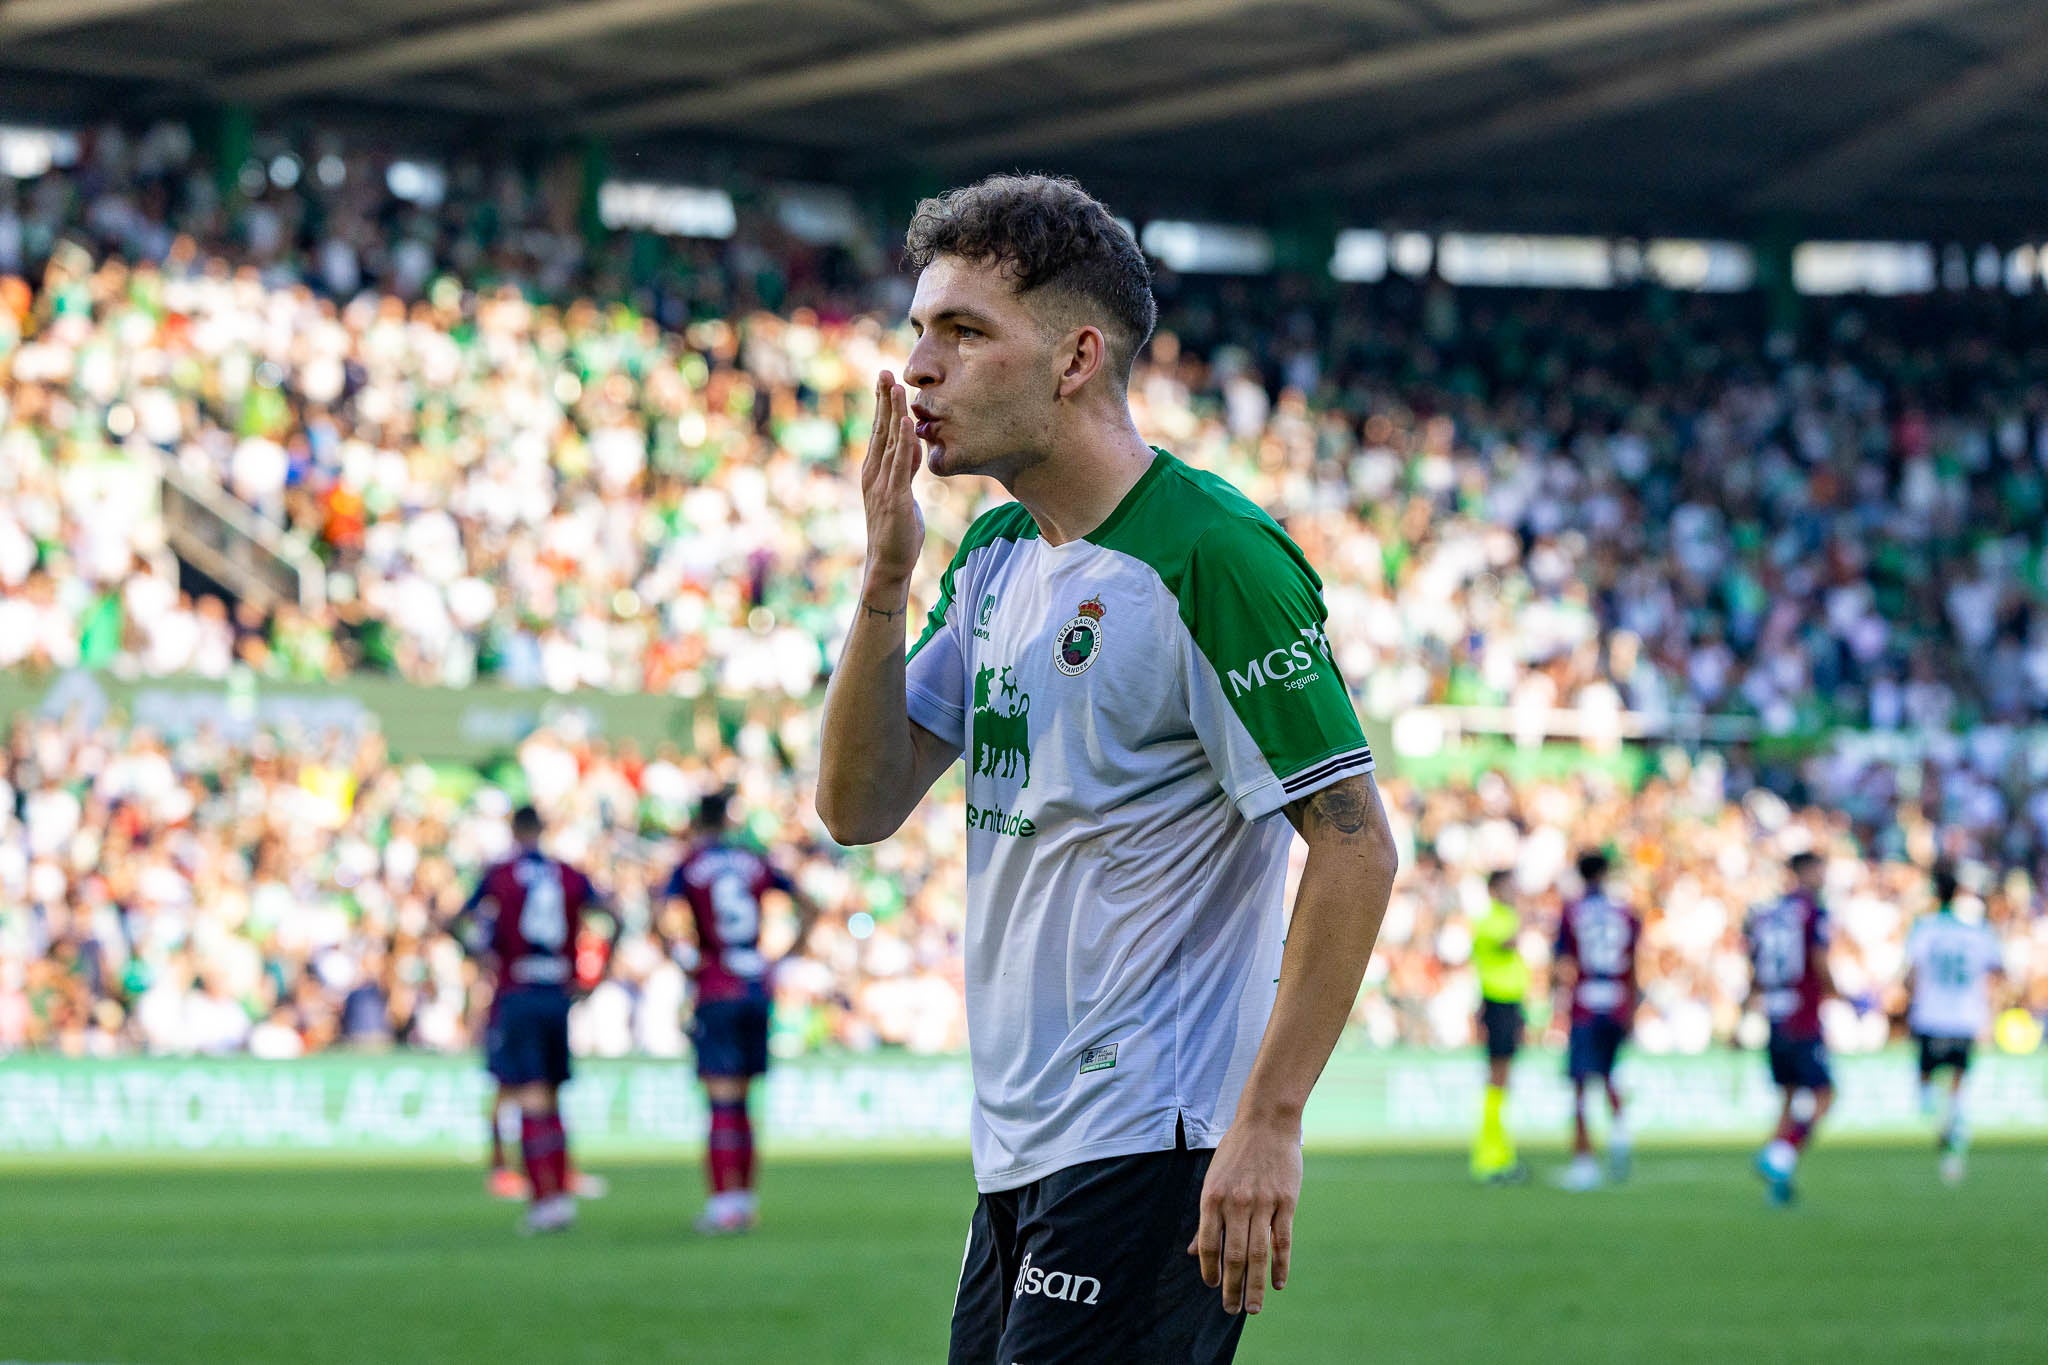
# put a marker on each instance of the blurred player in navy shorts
(526, 917)
(1595, 975)
(715, 897)
(1788, 951)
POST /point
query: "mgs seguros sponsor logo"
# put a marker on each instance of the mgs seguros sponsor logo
(1292, 665)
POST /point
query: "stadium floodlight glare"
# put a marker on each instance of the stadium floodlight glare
(26, 153)
(823, 215)
(1209, 248)
(1885, 268)
(678, 210)
(417, 182)
(1360, 256)
(2019, 270)
(1990, 267)
(1700, 266)
(1472, 258)
(1411, 253)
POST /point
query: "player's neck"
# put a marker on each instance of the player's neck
(1082, 479)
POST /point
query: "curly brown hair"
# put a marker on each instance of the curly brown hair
(1047, 233)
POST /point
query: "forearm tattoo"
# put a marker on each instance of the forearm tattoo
(885, 615)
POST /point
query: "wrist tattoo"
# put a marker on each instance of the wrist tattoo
(885, 615)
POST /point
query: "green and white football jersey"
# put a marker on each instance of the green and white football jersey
(1134, 709)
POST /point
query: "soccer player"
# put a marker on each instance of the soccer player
(524, 915)
(720, 884)
(1131, 658)
(1950, 967)
(1788, 953)
(1595, 980)
(1503, 986)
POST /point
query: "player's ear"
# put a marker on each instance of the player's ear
(1083, 352)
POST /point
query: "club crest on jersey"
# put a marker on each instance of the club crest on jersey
(1080, 639)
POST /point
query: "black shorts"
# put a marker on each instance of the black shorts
(1592, 1047)
(731, 1037)
(1936, 1053)
(1800, 1063)
(528, 1040)
(1500, 1024)
(1091, 1264)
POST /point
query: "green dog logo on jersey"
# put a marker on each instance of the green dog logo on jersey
(1002, 738)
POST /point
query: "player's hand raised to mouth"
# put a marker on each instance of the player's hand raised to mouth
(895, 523)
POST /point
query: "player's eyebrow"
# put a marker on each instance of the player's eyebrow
(966, 315)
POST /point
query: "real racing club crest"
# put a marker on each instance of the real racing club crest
(1080, 639)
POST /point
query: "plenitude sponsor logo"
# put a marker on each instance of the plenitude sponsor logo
(995, 820)
(1295, 662)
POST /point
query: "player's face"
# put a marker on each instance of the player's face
(985, 370)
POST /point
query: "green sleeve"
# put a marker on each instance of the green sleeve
(1255, 610)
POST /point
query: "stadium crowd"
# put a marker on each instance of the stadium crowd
(536, 460)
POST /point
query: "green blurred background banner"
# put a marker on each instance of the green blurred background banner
(431, 1105)
(432, 724)
(469, 725)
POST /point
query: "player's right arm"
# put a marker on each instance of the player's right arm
(875, 763)
(466, 928)
(1817, 964)
(1564, 972)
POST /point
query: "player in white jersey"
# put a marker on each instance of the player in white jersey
(1951, 965)
(1131, 658)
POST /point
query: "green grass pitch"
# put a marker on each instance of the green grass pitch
(1398, 1259)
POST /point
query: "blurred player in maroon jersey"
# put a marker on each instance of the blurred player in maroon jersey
(1595, 975)
(1788, 952)
(715, 896)
(526, 917)
(593, 954)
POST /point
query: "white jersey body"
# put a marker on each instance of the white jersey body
(1134, 709)
(1952, 962)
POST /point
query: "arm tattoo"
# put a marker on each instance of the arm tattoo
(1343, 807)
(885, 615)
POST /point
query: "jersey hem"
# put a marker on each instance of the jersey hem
(1015, 1177)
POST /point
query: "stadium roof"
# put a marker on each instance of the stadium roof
(1844, 117)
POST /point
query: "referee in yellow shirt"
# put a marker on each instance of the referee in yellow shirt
(1503, 986)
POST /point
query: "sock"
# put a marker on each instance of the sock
(1582, 1136)
(1797, 1132)
(1781, 1156)
(1495, 1150)
(545, 1146)
(1954, 1132)
(561, 1157)
(1618, 1136)
(729, 1156)
(1926, 1095)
